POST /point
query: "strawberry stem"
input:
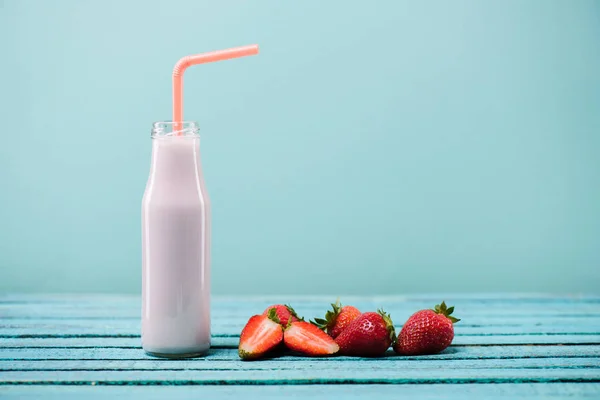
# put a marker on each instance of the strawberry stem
(446, 311)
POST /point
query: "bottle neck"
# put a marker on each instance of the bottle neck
(171, 129)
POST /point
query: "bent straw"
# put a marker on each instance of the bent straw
(203, 58)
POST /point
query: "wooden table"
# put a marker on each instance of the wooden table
(506, 346)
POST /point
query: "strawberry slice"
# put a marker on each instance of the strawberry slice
(261, 334)
(308, 339)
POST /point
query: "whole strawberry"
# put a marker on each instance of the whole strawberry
(284, 314)
(337, 319)
(369, 335)
(427, 331)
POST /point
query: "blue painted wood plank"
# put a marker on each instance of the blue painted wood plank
(96, 342)
(128, 327)
(243, 307)
(556, 391)
(398, 364)
(78, 340)
(471, 321)
(232, 342)
(452, 353)
(300, 377)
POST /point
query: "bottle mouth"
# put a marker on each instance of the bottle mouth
(183, 129)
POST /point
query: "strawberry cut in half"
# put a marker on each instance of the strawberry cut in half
(306, 338)
(261, 334)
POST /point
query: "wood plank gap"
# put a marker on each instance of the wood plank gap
(294, 360)
(133, 336)
(216, 347)
(246, 369)
(399, 381)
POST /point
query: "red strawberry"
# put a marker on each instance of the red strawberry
(338, 319)
(261, 334)
(308, 339)
(369, 335)
(284, 313)
(427, 331)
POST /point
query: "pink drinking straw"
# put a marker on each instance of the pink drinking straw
(203, 58)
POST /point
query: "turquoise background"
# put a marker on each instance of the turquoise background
(372, 147)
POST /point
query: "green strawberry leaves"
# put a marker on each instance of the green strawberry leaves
(330, 316)
(293, 312)
(388, 324)
(446, 311)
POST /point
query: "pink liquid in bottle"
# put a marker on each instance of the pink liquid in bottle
(175, 247)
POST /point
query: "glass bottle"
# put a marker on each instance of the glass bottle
(175, 246)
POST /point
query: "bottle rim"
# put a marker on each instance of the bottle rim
(185, 129)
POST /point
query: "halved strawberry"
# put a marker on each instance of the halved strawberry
(337, 319)
(284, 313)
(308, 339)
(261, 334)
